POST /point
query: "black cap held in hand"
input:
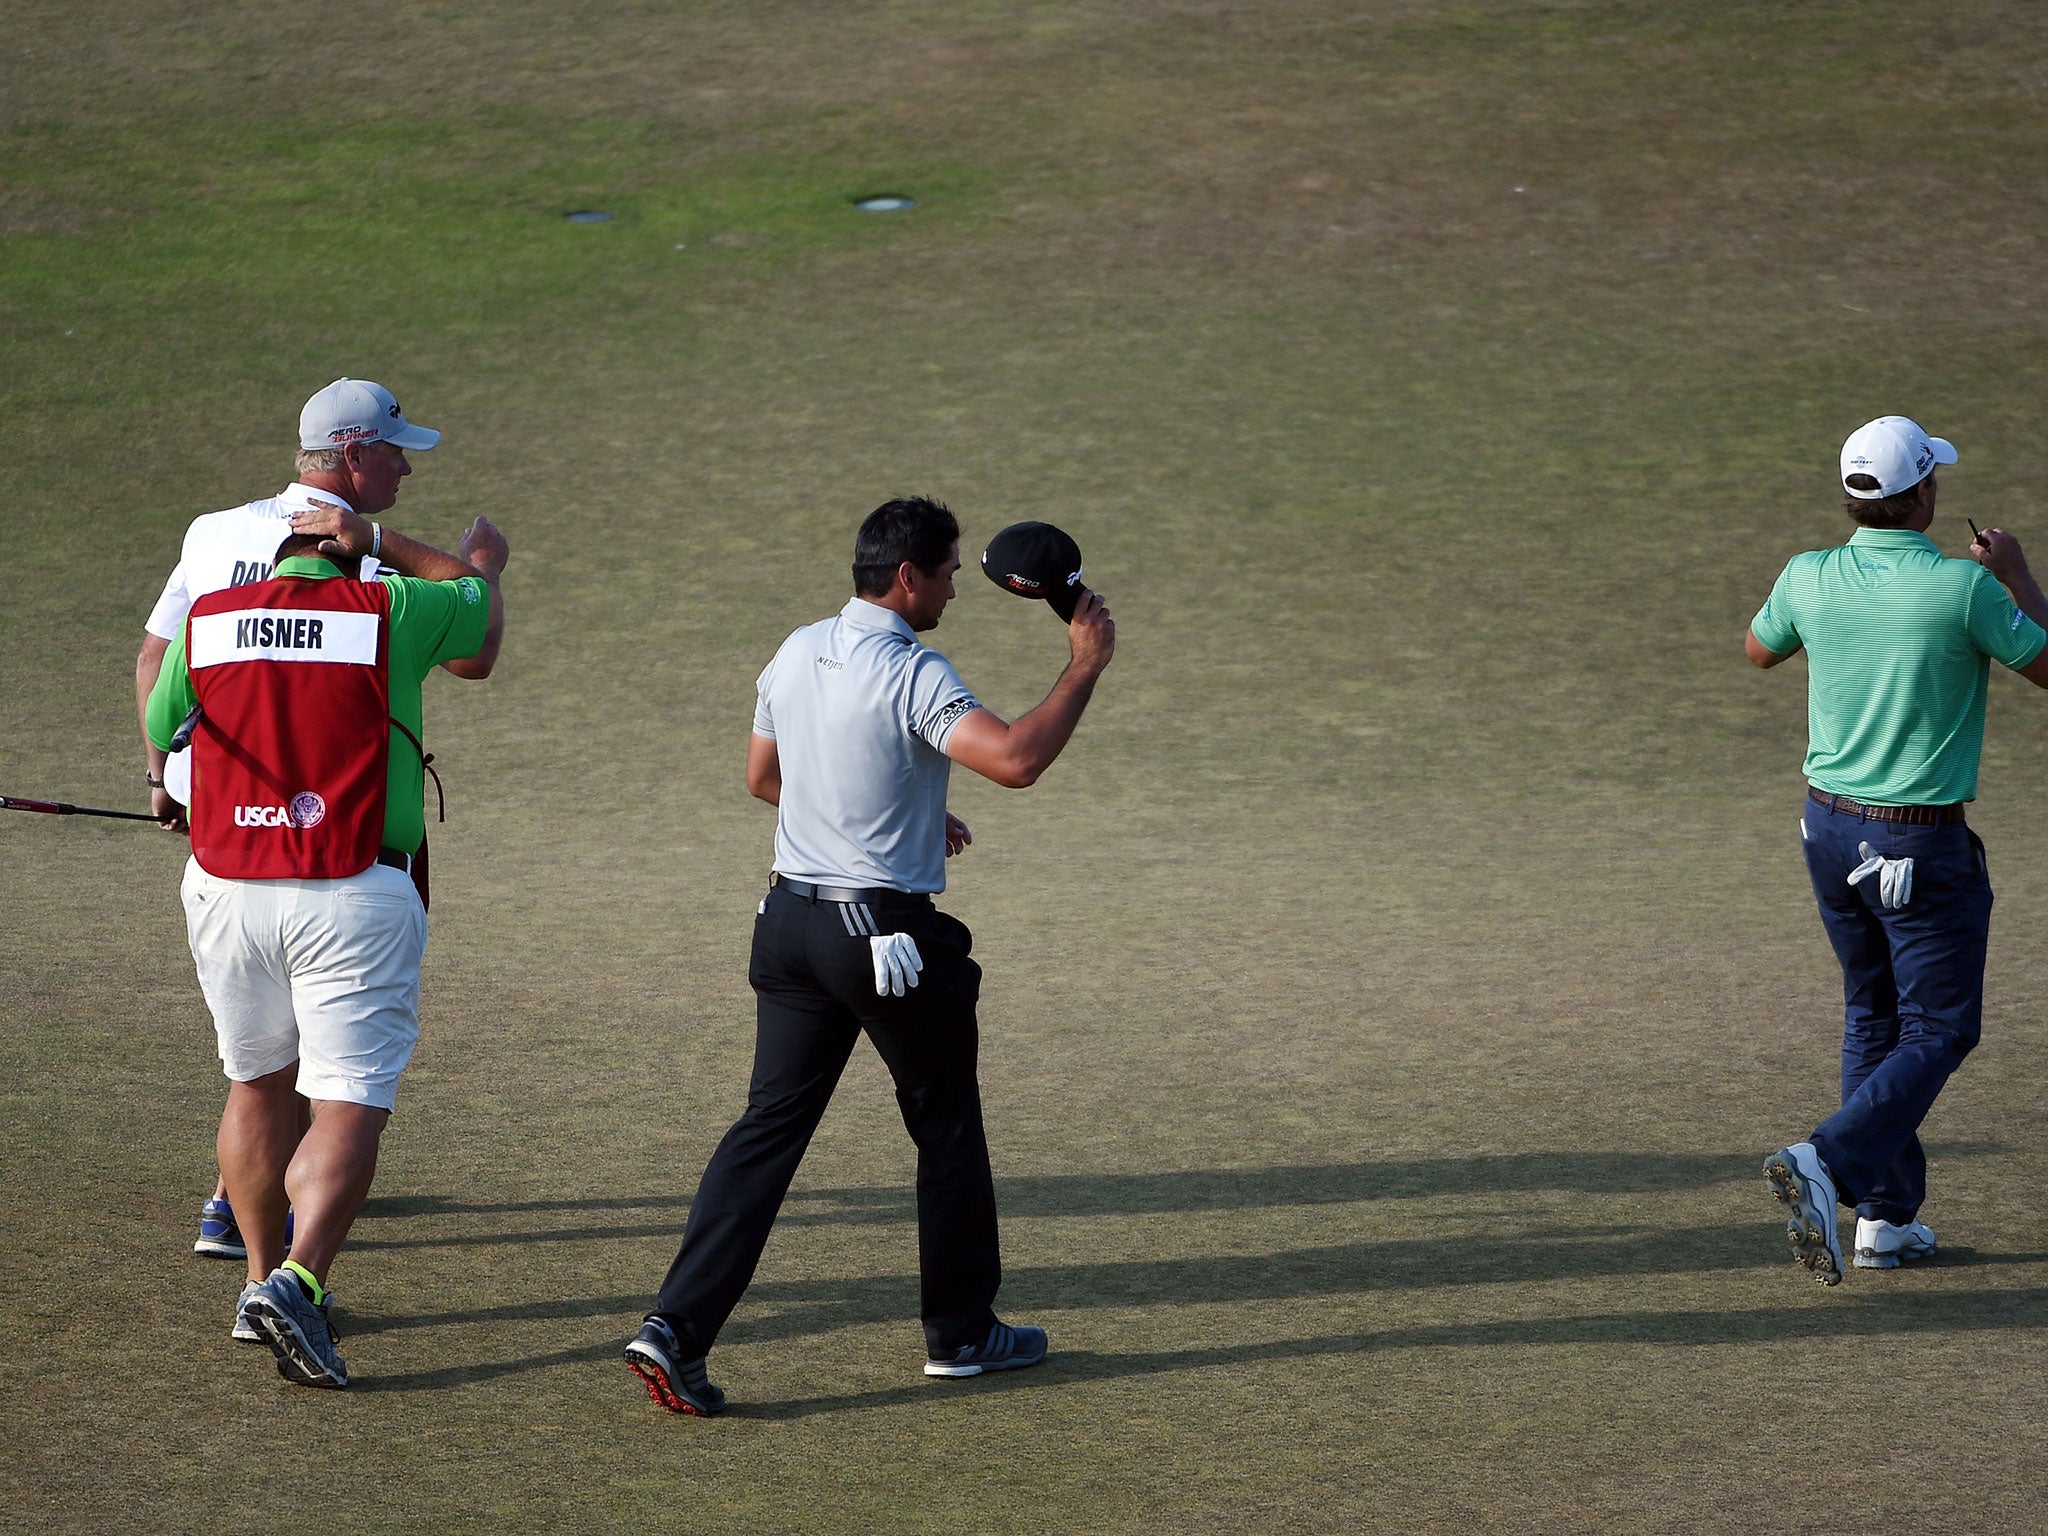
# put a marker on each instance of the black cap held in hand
(1036, 560)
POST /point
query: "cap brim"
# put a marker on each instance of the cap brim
(419, 439)
(1944, 450)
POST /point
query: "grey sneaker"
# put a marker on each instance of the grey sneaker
(679, 1385)
(245, 1330)
(1005, 1349)
(1886, 1245)
(1803, 1185)
(297, 1331)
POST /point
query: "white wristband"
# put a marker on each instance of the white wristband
(376, 540)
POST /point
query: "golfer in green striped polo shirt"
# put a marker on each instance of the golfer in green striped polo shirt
(1899, 642)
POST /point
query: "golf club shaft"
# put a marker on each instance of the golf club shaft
(59, 808)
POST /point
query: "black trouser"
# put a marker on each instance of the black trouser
(814, 983)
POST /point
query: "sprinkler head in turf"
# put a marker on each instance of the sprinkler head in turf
(588, 216)
(1037, 560)
(884, 202)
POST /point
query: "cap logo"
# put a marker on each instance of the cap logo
(1925, 458)
(1023, 583)
(1861, 462)
(351, 434)
(1075, 579)
(393, 412)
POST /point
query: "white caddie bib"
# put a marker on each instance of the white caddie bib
(282, 634)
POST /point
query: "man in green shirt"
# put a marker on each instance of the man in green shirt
(304, 925)
(1899, 642)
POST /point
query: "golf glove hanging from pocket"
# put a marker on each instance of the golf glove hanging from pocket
(1894, 877)
(897, 963)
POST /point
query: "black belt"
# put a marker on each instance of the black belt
(1914, 815)
(809, 892)
(391, 858)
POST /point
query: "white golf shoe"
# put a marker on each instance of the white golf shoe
(1884, 1245)
(1803, 1185)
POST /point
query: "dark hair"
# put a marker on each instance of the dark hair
(297, 544)
(1893, 511)
(914, 528)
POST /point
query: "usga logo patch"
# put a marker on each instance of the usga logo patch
(306, 810)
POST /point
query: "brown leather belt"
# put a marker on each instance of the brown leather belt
(1915, 815)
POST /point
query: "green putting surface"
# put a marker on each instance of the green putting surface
(1390, 995)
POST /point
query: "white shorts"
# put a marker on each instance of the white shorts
(322, 972)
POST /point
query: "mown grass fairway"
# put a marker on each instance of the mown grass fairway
(1390, 996)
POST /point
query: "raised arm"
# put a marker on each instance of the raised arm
(484, 553)
(1014, 754)
(2000, 553)
(484, 547)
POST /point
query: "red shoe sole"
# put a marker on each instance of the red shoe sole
(664, 1394)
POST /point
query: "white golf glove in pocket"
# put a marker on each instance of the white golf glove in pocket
(897, 963)
(1894, 877)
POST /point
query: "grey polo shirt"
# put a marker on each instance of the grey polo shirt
(860, 712)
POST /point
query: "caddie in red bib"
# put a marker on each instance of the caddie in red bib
(294, 738)
(300, 694)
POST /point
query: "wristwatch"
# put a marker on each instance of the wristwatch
(151, 780)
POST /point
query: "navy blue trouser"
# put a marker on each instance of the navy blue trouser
(1912, 995)
(814, 984)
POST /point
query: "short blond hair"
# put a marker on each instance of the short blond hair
(317, 461)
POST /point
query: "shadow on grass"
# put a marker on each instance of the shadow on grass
(492, 1370)
(1821, 1318)
(1200, 1189)
(1408, 1264)
(1889, 1316)
(794, 1308)
(778, 1309)
(787, 1309)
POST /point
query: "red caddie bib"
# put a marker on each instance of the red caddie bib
(294, 739)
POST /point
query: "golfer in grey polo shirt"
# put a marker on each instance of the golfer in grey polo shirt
(863, 762)
(855, 734)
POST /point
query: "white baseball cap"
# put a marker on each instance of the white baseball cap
(1896, 452)
(357, 411)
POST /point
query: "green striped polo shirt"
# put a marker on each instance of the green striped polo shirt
(1899, 643)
